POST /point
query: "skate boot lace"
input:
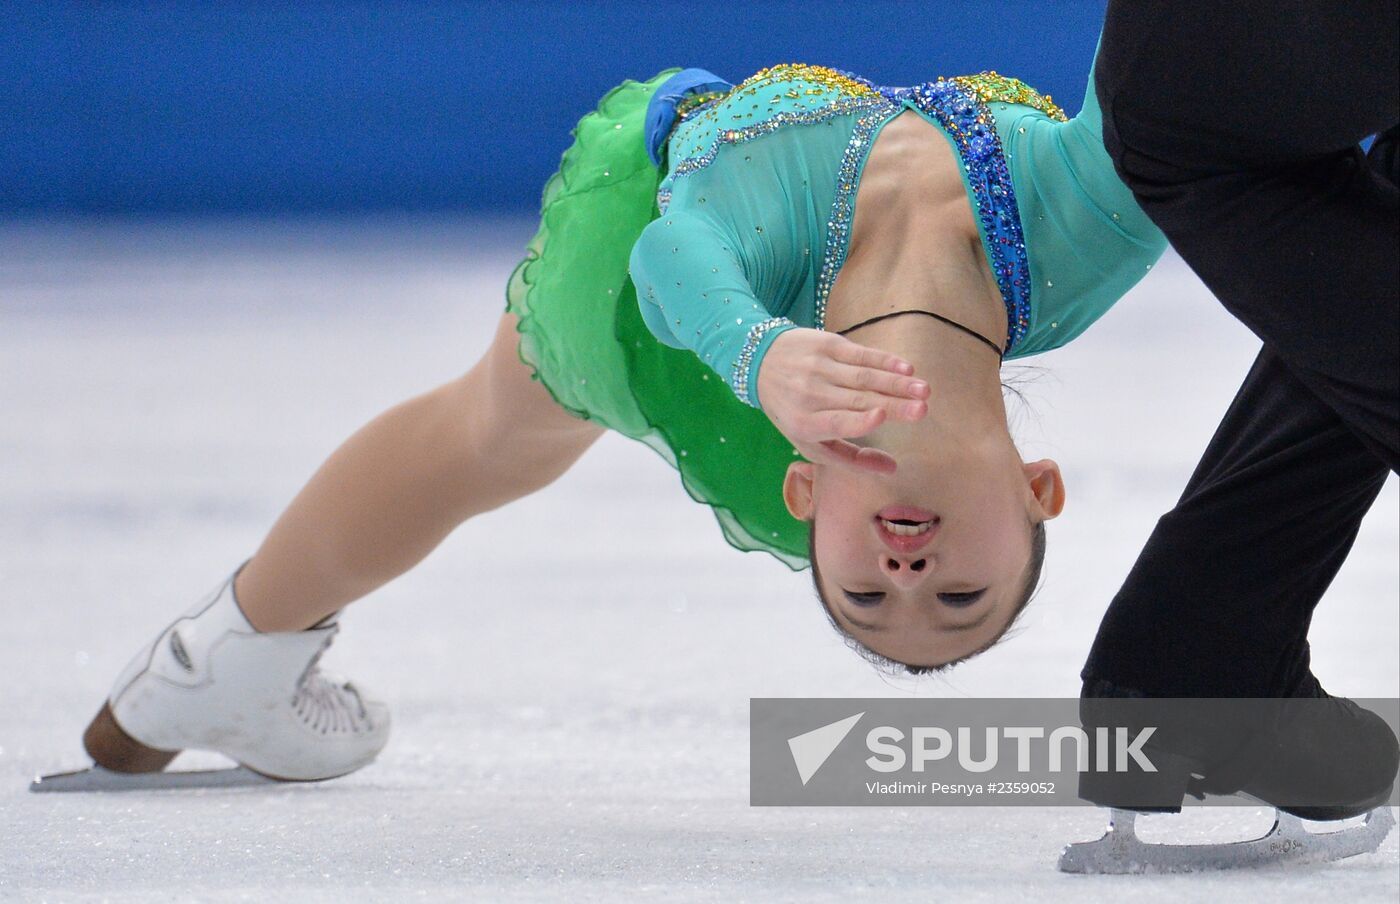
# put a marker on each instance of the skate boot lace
(327, 703)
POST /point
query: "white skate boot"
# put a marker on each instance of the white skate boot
(212, 682)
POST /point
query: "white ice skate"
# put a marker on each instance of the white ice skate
(1289, 841)
(210, 681)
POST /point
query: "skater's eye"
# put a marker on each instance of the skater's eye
(867, 600)
(962, 600)
(956, 600)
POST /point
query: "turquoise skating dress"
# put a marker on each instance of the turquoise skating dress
(650, 295)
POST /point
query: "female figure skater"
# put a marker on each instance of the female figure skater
(947, 226)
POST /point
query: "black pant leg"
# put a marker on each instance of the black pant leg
(1219, 602)
(1314, 272)
(1236, 128)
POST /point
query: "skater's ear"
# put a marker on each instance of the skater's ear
(1047, 488)
(797, 489)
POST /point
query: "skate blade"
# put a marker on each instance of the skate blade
(1120, 851)
(97, 779)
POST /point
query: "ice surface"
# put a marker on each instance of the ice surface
(571, 718)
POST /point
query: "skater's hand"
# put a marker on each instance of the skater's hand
(819, 389)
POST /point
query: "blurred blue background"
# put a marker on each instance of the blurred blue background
(314, 107)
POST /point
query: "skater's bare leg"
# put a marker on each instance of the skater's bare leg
(397, 487)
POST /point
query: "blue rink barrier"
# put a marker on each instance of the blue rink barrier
(154, 107)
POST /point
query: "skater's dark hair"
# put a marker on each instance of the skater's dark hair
(894, 666)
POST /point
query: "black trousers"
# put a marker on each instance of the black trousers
(1237, 126)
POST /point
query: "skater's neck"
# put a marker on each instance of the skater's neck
(963, 369)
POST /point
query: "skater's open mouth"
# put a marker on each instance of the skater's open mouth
(905, 529)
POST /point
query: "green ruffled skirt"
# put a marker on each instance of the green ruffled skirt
(583, 336)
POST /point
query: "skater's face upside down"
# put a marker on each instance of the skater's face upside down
(931, 565)
(927, 564)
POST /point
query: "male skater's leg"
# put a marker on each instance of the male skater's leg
(1219, 604)
(1219, 601)
(1238, 133)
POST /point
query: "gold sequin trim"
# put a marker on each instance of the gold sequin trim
(687, 104)
(990, 87)
(819, 75)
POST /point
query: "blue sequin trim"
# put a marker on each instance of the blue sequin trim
(973, 128)
(739, 380)
(971, 125)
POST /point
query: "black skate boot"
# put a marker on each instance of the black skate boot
(1311, 755)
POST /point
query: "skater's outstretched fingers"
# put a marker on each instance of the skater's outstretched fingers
(851, 352)
(861, 378)
(875, 369)
(820, 389)
(859, 388)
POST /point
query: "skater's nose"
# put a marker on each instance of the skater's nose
(906, 571)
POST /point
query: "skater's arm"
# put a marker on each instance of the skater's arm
(694, 294)
(1073, 173)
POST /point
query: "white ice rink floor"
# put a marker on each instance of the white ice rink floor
(571, 715)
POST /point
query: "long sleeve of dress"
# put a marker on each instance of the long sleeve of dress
(1088, 240)
(1079, 176)
(694, 294)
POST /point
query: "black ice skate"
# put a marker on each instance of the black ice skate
(1311, 756)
